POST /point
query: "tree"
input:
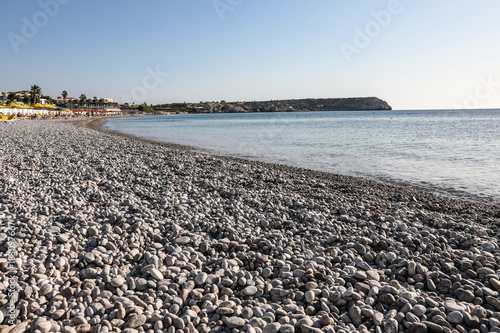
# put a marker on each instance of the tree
(64, 95)
(36, 92)
(145, 107)
(27, 100)
(49, 99)
(83, 98)
(11, 97)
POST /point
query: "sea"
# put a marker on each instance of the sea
(451, 152)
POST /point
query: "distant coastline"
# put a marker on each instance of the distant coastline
(288, 105)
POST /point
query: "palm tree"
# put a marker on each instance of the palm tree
(11, 97)
(83, 98)
(64, 95)
(36, 92)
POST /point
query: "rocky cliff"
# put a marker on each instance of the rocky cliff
(307, 104)
(320, 104)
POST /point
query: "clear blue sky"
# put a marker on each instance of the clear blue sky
(415, 54)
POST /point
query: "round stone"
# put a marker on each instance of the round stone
(69, 329)
(495, 283)
(419, 310)
(272, 328)
(63, 238)
(378, 319)
(355, 314)
(391, 326)
(311, 285)
(250, 290)
(455, 317)
(46, 289)
(182, 240)
(304, 322)
(225, 311)
(174, 309)
(387, 299)
(309, 296)
(235, 322)
(453, 306)
(60, 262)
(200, 278)
(43, 326)
(466, 295)
(418, 328)
(117, 281)
(267, 272)
(156, 274)
(489, 246)
(136, 321)
(88, 273)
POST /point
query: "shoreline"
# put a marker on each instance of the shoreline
(446, 189)
(105, 232)
(434, 195)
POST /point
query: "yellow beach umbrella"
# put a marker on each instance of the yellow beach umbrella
(38, 106)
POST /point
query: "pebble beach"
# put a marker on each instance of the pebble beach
(103, 232)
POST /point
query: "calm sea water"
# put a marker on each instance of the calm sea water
(455, 152)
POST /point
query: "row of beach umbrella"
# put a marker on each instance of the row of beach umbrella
(47, 109)
(12, 105)
(41, 109)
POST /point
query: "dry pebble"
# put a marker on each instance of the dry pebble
(119, 234)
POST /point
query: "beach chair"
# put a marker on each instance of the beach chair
(10, 119)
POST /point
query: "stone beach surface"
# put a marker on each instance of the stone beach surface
(103, 232)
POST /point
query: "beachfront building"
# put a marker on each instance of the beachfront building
(94, 103)
(20, 95)
(62, 100)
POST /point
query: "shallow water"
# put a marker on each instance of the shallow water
(456, 152)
